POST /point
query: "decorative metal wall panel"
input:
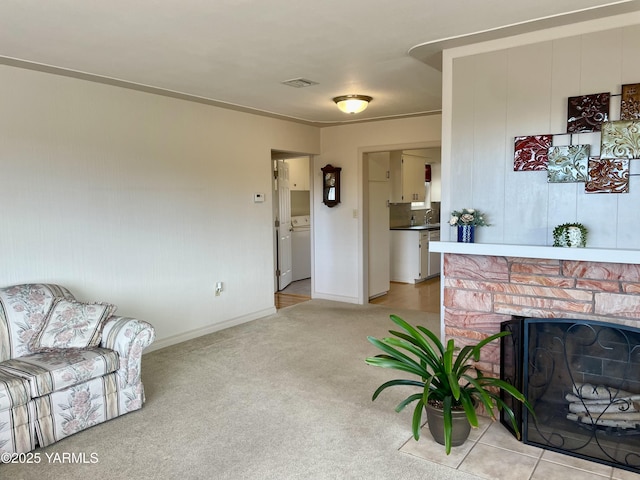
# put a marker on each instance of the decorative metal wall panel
(586, 113)
(531, 152)
(621, 139)
(608, 176)
(630, 103)
(568, 163)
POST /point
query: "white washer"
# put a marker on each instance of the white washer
(301, 247)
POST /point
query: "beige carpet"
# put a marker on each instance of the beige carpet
(284, 397)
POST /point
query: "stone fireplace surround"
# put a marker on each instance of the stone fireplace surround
(486, 284)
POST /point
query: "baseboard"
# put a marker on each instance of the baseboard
(190, 335)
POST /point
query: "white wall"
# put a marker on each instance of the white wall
(519, 86)
(139, 200)
(340, 270)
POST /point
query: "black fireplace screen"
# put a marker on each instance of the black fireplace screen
(583, 381)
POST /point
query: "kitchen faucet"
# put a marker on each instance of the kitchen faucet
(427, 216)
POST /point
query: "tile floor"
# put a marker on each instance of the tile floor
(493, 453)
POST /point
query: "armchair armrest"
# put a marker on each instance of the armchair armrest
(129, 337)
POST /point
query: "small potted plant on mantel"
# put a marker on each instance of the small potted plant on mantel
(570, 235)
(449, 386)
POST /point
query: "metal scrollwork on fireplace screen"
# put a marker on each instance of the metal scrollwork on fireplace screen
(583, 379)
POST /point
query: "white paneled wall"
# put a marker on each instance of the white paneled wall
(498, 91)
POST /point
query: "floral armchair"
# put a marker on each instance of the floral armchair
(64, 365)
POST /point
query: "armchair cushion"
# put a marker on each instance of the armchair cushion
(22, 311)
(50, 371)
(71, 324)
(14, 391)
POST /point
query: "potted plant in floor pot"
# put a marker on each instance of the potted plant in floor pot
(449, 386)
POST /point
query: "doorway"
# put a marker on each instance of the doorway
(384, 209)
(292, 190)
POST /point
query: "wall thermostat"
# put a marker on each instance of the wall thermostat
(258, 197)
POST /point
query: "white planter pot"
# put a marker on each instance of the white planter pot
(572, 237)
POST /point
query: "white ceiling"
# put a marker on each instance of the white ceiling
(238, 52)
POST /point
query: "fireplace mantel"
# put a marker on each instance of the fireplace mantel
(631, 257)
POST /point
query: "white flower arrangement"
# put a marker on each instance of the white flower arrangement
(467, 216)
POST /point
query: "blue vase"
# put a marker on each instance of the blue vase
(466, 233)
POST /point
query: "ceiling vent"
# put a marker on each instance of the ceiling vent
(300, 82)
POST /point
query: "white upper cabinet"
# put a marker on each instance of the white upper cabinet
(407, 178)
(298, 173)
(434, 186)
(379, 166)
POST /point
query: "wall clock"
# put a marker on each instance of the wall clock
(331, 185)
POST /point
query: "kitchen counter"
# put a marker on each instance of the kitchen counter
(431, 226)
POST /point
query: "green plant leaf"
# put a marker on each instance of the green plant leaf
(507, 387)
(417, 419)
(424, 347)
(392, 383)
(423, 356)
(410, 330)
(480, 393)
(469, 408)
(395, 364)
(463, 357)
(510, 415)
(481, 344)
(448, 423)
(452, 376)
(391, 351)
(407, 401)
(433, 337)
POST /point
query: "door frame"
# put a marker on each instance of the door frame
(283, 155)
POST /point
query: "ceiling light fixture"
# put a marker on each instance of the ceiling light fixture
(352, 103)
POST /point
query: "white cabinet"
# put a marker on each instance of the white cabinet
(407, 262)
(413, 178)
(434, 257)
(407, 178)
(378, 164)
(424, 255)
(411, 261)
(298, 173)
(434, 185)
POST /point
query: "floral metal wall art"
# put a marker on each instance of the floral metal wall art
(630, 103)
(586, 113)
(568, 163)
(621, 139)
(530, 152)
(608, 175)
